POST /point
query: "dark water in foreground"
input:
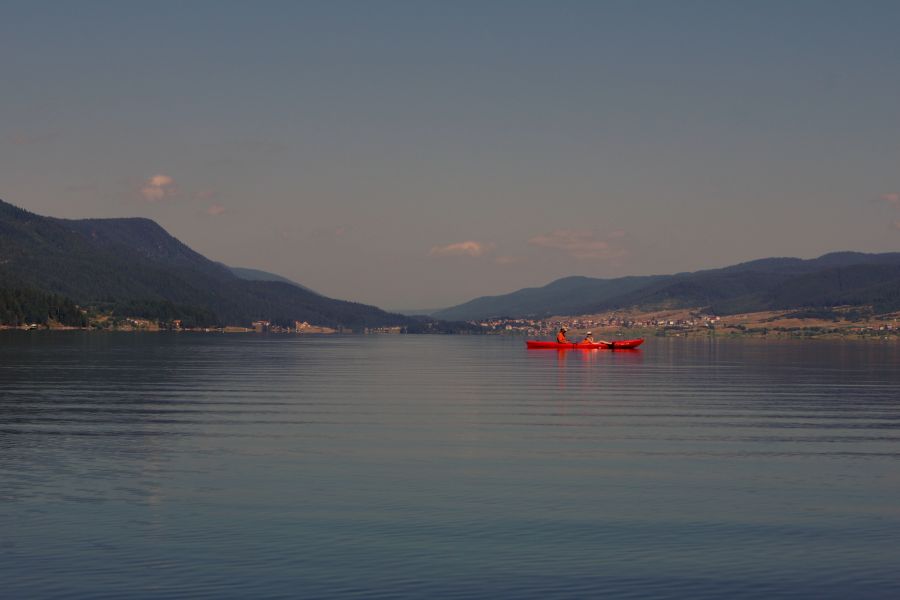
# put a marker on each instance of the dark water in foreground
(165, 466)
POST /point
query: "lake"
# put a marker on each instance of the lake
(236, 466)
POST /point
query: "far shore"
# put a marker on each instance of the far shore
(827, 323)
(834, 322)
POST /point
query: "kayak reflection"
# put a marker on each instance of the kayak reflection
(590, 355)
(584, 368)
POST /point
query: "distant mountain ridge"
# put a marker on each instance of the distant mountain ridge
(137, 265)
(259, 275)
(767, 284)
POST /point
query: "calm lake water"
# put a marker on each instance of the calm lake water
(237, 466)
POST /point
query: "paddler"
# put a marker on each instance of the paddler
(561, 336)
(588, 338)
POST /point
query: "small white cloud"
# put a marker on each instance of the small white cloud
(214, 210)
(467, 248)
(157, 188)
(580, 243)
(892, 198)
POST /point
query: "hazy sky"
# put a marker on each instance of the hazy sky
(416, 154)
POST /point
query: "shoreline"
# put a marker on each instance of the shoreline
(648, 335)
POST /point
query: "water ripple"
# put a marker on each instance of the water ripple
(172, 466)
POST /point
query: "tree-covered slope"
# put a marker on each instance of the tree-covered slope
(134, 262)
(22, 306)
(563, 296)
(767, 284)
(258, 275)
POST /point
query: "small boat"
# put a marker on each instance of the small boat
(613, 345)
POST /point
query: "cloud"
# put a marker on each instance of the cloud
(467, 248)
(892, 198)
(214, 210)
(158, 187)
(581, 244)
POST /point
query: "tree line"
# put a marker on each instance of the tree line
(26, 306)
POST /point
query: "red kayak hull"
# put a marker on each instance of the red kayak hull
(614, 345)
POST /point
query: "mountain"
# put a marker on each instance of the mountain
(767, 284)
(563, 296)
(415, 312)
(135, 267)
(257, 275)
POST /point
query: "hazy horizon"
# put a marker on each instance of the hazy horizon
(418, 155)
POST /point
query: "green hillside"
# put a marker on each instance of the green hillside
(838, 278)
(21, 307)
(259, 275)
(134, 266)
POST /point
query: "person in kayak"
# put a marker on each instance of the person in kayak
(589, 339)
(561, 336)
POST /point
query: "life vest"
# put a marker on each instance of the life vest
(561, 338)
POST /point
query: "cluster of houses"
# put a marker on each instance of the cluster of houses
(299, 327)
(689, 323)
(133, 324)
(549, 327)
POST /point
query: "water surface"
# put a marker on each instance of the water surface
(189, 465)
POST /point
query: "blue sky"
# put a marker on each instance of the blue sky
(417, 154)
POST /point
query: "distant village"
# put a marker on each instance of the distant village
(842, 321)
(302, 327)
(549, 327)
(139, 324)
(834, 322)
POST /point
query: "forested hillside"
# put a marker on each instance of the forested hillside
(134, 266)
(769, 284)
(20, 307)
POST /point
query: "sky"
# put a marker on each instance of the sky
(416, 154)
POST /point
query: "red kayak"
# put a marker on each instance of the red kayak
(614, 345)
